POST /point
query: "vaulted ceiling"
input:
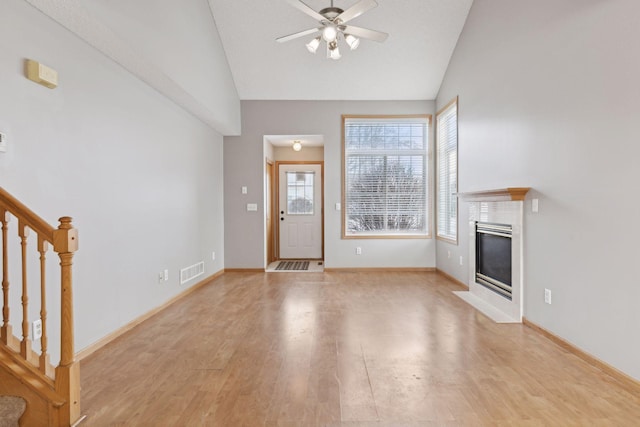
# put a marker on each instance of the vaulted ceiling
(409, 65)
(207, 55)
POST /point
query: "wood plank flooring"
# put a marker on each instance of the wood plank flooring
(341, 349)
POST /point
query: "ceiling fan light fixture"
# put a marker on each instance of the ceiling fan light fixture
(329, 33)
(297, 146)
(332, 26)
(312, 46)
(352, 41)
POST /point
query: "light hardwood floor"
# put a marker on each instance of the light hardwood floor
(341, 349)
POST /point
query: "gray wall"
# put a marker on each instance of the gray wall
(306, 154)
(549, 98)
(141, 177)
(244, 163)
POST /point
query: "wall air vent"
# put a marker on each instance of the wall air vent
(191, 272)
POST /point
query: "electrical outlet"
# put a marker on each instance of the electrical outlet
(166, 275)
(460, 259)
(3, 142)
(547, 296)
(36, 329)
(358, 250)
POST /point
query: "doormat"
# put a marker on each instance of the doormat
(292, 265)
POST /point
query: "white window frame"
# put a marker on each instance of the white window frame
(425, 152)
(447, 172)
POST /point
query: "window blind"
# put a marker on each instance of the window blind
(447, 160)
(386, 181)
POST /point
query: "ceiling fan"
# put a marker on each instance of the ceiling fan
(333, 26)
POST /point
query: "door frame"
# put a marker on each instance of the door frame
(276, 200)
(270, 242)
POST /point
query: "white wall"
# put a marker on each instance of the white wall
(549, 98)
(172, 46)
(244, 162)
(141, 176)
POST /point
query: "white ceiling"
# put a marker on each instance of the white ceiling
(409, 65)
(181, 48)
(287, 140)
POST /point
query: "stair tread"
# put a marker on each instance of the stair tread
(11, 409)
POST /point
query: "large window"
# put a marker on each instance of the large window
(447, 175)
(385, 176)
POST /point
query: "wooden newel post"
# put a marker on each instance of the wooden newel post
(65, 243)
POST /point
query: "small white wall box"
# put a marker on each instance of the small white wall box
(42, 74)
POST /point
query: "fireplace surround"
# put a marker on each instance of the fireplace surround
(495, 223)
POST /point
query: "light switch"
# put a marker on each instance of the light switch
(244, 189)
(534, 205)
(3, 142)
(252, 207)
(338, 206)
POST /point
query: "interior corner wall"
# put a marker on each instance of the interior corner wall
(549, 99)
(244, 164)
(141, 177)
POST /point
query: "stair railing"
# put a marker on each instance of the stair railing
(66, 377)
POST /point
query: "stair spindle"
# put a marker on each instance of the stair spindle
(5, 331)
(43, 247)
(25, 344)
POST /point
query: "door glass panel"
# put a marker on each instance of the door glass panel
(300, 193)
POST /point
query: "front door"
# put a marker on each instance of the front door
(300, 211)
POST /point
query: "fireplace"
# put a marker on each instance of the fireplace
(495, 242)
(493, 257)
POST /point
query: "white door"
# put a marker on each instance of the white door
(300, 211)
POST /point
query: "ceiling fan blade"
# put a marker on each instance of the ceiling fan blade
(296, 35)
(356, 10)
(306, 9)
(365, 33)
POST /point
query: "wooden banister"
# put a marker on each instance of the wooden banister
(64, 240)
(30, 219)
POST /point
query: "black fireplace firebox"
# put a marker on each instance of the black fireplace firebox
(493, 257)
